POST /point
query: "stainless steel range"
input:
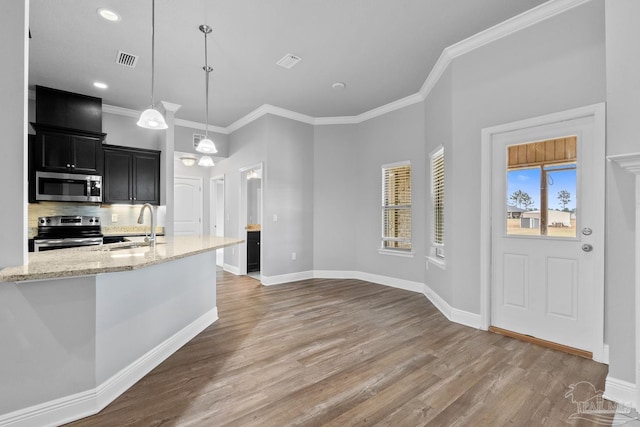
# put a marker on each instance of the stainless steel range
(58, 232)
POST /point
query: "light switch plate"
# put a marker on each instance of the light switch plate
(114, 217)
(275, 217)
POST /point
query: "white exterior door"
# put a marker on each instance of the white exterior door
(187, 196)
(547, 232)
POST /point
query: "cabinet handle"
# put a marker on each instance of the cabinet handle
(73, 166)
(68, 165)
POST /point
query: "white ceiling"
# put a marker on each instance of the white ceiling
(382, 49)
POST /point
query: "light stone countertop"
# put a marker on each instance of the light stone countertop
(110, 258)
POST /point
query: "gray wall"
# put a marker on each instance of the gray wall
(122, 130)
(553, 66)
(335, 192)
(623, 109)
(288, 193)
(438, 111)
(13, 122)
(247, 146)
(390, 138)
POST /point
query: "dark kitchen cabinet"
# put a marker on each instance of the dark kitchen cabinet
(131, 175)
(253, 251)
(68, 151)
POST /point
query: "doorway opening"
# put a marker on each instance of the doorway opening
(251, 220)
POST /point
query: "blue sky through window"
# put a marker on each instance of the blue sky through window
(528, 181)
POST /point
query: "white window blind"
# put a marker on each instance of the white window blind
(396, 206)
(437, 194)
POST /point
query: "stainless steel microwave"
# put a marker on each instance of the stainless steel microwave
(68, 187)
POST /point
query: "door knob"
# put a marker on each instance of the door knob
(587, 247)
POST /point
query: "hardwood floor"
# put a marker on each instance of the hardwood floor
(347, 353)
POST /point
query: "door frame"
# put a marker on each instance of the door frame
(213, 211)
(201, 184)
(242, 223)
(597, 112)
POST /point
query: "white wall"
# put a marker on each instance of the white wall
(13, 122)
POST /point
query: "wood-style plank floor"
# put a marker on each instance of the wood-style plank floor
(348, 353)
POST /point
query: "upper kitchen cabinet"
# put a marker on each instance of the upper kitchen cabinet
(131, 175)
(61, 150)
(68, 132)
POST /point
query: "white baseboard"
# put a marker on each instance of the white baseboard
(453, 314)
(286, 278)
(620, 391)
(231, 269)
(80, 405)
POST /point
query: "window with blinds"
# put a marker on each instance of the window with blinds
(437, 199)
(396, 206)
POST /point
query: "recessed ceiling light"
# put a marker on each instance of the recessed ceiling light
(100, 85)
(109, 15)
(339, 85)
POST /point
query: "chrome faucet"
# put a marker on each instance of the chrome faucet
(152, 238)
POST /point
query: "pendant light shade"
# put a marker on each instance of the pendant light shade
(152, 118)
(205, 161)
(206, 145)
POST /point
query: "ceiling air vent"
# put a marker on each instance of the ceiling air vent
(197, 138)
(126, 59)
(288, 61)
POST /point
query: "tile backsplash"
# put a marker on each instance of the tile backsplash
(126, 215)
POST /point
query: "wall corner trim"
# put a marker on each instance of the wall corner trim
(90, 402)
(620, 391)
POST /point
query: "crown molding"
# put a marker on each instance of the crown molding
(628, 162)
(170, 106)
(120, 111)
(201, 126)
(526, 19)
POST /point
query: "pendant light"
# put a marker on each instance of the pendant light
(205, 161)
(206, 145)
(152, 118)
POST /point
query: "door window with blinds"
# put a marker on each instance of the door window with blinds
(396, 207)
(437, 203)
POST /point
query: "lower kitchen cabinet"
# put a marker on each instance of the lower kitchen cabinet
(253, 251)
(131, 175)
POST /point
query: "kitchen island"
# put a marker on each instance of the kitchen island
(80, 326)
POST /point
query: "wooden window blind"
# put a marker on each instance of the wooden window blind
(437, 192)
(396, 206)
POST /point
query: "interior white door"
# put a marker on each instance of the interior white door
(546, 262)
(187, 196)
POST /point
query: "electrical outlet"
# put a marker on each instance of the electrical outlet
(114, 217)
(293, 256)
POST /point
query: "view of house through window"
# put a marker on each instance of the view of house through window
(541, 188)
(396, 206)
